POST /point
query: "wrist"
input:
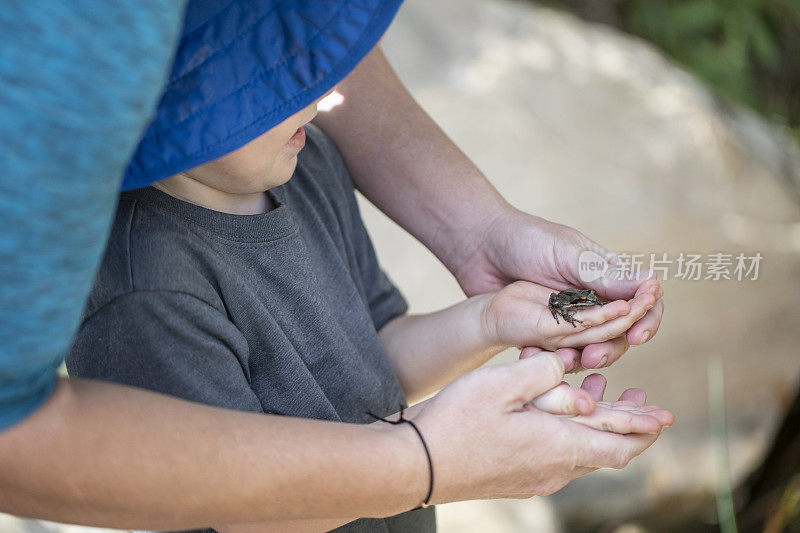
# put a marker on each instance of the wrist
(462, 233)
(483, 321)
(408, 461)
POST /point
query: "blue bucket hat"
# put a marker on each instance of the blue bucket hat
(244, 66)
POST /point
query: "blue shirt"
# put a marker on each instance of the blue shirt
(80, 82)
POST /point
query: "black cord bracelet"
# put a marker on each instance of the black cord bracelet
(427, 502)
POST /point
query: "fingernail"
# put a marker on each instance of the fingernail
(582, 405)
(645, 336)
(603, 361)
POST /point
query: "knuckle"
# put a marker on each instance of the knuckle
(566, 403)
(556, 366)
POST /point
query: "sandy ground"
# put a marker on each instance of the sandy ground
(578, 124)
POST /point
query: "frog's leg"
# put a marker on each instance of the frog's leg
(554, 312)
(570, 317)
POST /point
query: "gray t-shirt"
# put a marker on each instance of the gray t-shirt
(273, 313)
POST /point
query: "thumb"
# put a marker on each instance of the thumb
(617, 281)
(521, 381)
(619, 284)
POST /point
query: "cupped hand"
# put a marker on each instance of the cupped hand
(487, 440)
(518, 246)
(518, 315)
(627, 415)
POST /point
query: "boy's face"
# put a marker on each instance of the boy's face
(265, 162)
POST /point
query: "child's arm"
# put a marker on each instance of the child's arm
(429, 351)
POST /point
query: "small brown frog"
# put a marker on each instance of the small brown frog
(572, 299)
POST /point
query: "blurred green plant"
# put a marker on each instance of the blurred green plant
(726, 511)
(748, 50)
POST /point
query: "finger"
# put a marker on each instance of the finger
(595, 384)
(571, 359)
(530, 351)
(565, 400)
(647, 326)
(637, 396)
(619, 421)
(639, 306)
(652, 286)
(569, 356)
(620, 403)
(603, 354)
(614, 285)
(593, 316)
(664, 416)
(522, 381)
(627, 404)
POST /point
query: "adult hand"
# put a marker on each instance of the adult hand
(506, 447)
(517, 246)
(627, 415)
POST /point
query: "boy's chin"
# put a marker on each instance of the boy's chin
(282, 175)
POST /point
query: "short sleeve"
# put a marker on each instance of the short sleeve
(384, 300)
(166, 342)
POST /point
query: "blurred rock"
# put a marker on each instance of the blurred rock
(580, 124)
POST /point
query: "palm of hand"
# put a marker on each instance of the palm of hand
(518, 315)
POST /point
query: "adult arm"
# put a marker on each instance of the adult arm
(103, 454)
(406, 165)
(627, 415)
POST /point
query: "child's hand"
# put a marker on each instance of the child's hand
(518, 315)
